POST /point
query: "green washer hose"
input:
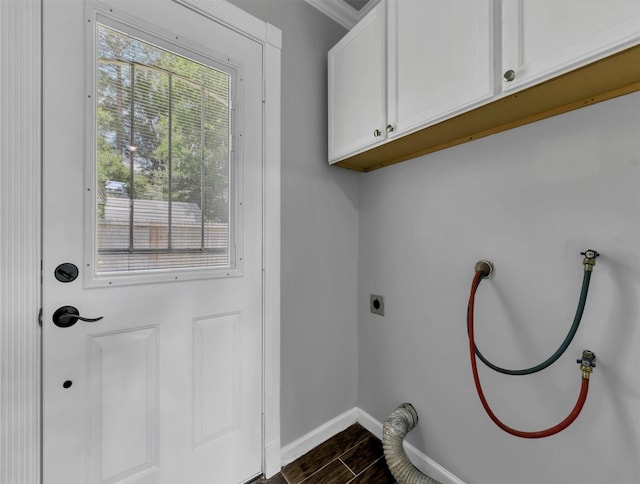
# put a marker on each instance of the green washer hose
(565, 344)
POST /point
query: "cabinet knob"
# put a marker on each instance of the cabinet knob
(509, 76)
(377, 133)
(390, 128)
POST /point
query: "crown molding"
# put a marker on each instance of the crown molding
(339, 11)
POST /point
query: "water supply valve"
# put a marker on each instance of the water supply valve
(484, 266)
(587, 363)
(589, 261)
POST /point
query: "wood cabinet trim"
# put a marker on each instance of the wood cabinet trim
(607, 78)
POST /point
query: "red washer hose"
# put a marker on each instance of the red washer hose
(582, 398)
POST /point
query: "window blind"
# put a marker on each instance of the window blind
(163, 130)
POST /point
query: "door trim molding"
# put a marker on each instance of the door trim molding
(271, 251)
(20, 224)
(20, 246)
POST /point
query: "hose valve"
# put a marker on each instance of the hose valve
(587, 363)
(589, 260)
(484, 266)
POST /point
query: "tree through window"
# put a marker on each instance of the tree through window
(163, 131)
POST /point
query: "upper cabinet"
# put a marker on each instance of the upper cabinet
(406, 63)
(416, 76)
(357, 87)
(440, 60)
(544, 38)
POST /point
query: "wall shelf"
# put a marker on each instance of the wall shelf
(607, 78)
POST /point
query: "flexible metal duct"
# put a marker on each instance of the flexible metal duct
(397, 426)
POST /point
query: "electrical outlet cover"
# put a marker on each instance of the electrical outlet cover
(376, 304)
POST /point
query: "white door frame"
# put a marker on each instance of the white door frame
(20, 230)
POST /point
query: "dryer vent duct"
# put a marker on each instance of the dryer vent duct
(397, 426)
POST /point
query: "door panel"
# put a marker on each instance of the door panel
(122, 402)
(166, 388)
(217, 379)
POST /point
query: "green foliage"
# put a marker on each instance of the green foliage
(162, 120)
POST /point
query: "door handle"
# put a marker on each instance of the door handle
(66, 316)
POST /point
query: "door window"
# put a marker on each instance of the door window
(164, 177)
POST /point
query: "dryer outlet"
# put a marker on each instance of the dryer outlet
(376, 304)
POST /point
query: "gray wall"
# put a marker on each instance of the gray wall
(530, 200)
(319, 229)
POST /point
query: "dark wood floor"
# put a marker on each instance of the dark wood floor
(353, 456)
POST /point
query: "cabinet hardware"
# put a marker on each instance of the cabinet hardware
(509, 76)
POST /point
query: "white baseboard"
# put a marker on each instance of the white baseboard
(314, 438)
(304, 444)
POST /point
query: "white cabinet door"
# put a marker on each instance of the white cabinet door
(440, 60)
(357, 87)
(545, 38)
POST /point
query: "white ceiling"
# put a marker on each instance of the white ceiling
(345, 12)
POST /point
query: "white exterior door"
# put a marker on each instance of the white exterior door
(166, 387)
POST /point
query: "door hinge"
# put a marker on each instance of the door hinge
(40, 318)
